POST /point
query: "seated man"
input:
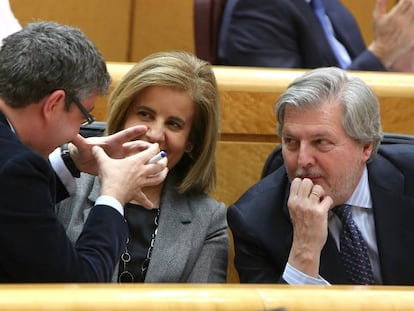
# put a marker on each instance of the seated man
(290, 226)
(313, 34)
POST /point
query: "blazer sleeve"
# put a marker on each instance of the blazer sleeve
(34, 244)
(253, 263)
(367, 61)
(211, 264)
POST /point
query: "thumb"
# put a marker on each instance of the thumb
(99, 154)
(79, 141)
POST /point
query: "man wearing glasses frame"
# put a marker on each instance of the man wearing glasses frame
(35, 173)
(89, 119)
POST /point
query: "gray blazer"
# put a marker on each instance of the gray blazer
(192, 240)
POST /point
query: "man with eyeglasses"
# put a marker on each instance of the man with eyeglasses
(50, 76)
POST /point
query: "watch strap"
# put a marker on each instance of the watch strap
(67, 159)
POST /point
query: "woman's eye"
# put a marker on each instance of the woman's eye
(144, 115)
(175, 125)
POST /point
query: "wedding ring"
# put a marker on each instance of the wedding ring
(315, 193)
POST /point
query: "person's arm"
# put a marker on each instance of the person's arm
(252, 261)
(262, 35)
(211, 264)
(38, 249)
(308, 210)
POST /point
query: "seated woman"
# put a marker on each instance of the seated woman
(184, 238)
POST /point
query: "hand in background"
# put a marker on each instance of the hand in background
(393, 33)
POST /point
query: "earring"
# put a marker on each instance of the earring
(188, 148)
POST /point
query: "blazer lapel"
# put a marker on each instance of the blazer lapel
(172, 246)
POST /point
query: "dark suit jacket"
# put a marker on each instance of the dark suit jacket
(34, 246)
(286, 33)
(262, 229)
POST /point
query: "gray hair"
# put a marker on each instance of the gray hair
(361, 119)
(46, 56)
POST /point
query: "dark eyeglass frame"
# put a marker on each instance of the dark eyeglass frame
(89, 119)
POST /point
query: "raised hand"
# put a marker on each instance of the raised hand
(308, 209)
(124, 178)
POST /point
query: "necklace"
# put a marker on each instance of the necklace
(126, 276)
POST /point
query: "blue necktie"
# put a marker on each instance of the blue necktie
(353, 250)
(338, 49)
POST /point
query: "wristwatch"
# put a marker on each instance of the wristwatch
(65, 154)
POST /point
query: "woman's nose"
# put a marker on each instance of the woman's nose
(155, 133)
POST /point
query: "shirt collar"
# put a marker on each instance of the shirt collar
(361, 196)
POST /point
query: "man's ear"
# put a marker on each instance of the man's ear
(367, 151)
(53, 103)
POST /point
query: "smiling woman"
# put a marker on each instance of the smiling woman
(183, 239)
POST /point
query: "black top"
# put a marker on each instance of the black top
(141, 224)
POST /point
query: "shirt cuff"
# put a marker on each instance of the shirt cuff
(62, 171)
(110, 201)
(295, 277)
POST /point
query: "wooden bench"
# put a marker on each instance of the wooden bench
(203, 297)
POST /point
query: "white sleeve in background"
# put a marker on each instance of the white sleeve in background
(8, 22)
(62, 171)
(69, 181)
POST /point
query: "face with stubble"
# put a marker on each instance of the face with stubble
(316, 146)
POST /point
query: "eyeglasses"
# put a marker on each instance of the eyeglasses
(89, 119)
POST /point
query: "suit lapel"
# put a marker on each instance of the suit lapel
(393, 214)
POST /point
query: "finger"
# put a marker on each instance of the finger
(380, 8)
(99, 154)
(129, 134)
(305, 188)
(133, 147)
(317, 191)
(403, 9)
(327, 203)
(143, 200)
(79, 140)
(294, 187)
(156, 179)
(148, 153)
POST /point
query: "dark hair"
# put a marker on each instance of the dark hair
(46, 56)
